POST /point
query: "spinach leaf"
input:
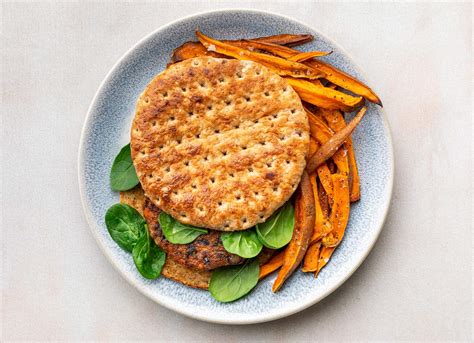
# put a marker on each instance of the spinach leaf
(231, 283)
(276, 232)
(123, 176)
(178, 233)
(148, 257)
(125, 225)
(242, 243)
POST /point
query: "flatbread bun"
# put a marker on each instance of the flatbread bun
(219, 143)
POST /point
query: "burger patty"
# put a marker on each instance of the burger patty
(205, 253)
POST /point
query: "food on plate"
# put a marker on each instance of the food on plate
(196, 49)
(315, 93)
(329, 148)
(281, 66)
(219, 144)
(240, 164)
(304, 225)
(334, 75)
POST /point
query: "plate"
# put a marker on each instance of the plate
(107, 129)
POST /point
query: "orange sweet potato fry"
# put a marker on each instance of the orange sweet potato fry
(324, 175)
(340, 211)
(318, 129)
(324, 256)
(304, 224)
(313, 146)
(324, 201)
(273, 264)
(324, 97)
(332, 167)
(336, 121)
(285, 39)
(304, 56)
(279, 65)
(311, 259)
(328, 149)
(196, 49)
(322, 133)
(321, 225)
(339, 219)
(191, 50)
(333, 74)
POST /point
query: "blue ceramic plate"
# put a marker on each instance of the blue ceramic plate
(107, 129)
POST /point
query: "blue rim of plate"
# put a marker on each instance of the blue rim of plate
(281, 313)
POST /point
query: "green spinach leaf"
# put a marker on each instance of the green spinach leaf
(148, 257)
(276, 232)
(123, 176)
(125, 225)
(178, 233)
(231, 283)
(243, 243)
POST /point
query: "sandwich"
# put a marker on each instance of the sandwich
(215, 187)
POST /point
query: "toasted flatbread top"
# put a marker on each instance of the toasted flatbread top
(219, 143)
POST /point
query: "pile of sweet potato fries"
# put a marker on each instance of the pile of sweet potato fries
(331, 180)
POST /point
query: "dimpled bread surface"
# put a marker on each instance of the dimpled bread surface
(219, 143)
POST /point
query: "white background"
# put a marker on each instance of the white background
(417, 282)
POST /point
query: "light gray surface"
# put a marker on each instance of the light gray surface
(417, 282)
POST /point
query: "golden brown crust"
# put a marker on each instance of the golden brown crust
(219, 143)
(187, 276)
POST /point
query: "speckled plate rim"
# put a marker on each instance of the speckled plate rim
(284, 312)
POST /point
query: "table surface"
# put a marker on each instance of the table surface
(417, 282)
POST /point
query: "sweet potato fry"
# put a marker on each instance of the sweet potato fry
(336, 122)
(324, 175)
(304, 224)
(331, 146)
(315, 118)
(311, 259)
(273, 48)
(345, 81)
(191, 50)
(339, 219)
(325, 97)
(331, 165)
(339, 212)
(321, 225)
(313, 146)
(195, 49)
(324, 201)
(322, 133)
(304, 56)
(285, 39)
(279, 65)
(324, 256)
(318, 129)
(273, 264)
(333, 74)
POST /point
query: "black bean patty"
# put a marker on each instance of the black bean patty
(205, 253)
